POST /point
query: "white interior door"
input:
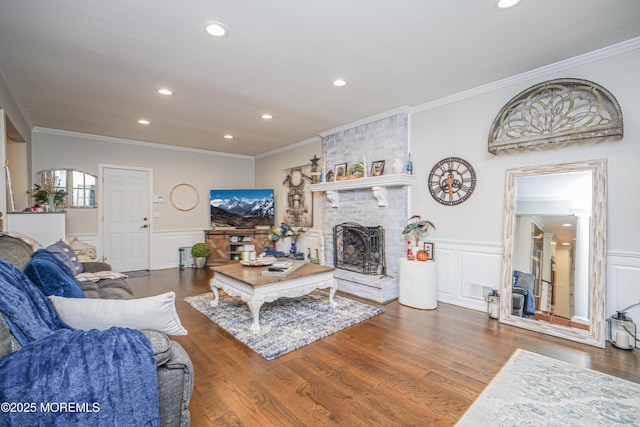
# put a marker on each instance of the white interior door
(125, 215)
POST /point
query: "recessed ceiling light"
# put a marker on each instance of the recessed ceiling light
(339, 82)
(217, 29)
(144, 122)
(504, 4)
(567, 225)
(165, 91)
(228, 136)
(267, 116)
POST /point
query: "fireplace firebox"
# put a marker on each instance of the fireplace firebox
(359, 249)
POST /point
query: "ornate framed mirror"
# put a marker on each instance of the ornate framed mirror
(553, 271)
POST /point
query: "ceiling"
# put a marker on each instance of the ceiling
(95, 66)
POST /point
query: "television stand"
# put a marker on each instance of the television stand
(227, 245)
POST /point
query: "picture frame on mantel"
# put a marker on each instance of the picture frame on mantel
(340, 170)
(430, 248)
(377, 168)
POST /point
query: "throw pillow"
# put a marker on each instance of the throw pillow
(67, 255)
(156, 313)
(52, 276)
(99, 275)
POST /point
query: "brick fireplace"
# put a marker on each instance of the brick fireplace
(383, 139)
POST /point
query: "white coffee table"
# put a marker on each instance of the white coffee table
(247, 283)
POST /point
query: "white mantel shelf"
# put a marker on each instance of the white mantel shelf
(377, 184)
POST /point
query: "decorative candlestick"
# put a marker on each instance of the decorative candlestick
(364, 166)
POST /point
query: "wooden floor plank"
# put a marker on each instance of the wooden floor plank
(404, 367)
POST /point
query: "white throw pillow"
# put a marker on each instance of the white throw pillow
(157, 313)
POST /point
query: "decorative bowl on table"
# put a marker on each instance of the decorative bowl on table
(260, 261)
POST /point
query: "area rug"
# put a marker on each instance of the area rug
(287, 323)
(535, 390)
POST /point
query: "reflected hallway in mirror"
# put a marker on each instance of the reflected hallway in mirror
(553, 265)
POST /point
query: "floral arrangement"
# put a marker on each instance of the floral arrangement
(280, 232)
(356, 169)
(283, 231)
(41, 193)
(417, 228)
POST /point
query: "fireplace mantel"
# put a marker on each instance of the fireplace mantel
(377, 184)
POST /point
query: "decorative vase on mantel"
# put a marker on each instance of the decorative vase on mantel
(51, 201)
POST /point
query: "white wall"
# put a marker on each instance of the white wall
(172, 228)
(17, 157)
(461, 127)
(269, 172)
(3, 159)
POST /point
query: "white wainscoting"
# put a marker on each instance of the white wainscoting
(467, 272)
(91, 239)
(165, 247)
(623, 283)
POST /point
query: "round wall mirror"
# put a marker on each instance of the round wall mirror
(184, 197)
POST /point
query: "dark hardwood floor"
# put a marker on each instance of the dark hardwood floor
(404, 367)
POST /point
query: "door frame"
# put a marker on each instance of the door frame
(101, 192)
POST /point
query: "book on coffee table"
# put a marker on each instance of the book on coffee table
(282, 269)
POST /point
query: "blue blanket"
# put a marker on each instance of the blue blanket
(67, 377)
(529, 304)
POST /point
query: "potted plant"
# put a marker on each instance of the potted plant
(47, 194)
(417, 228)
(200, 252)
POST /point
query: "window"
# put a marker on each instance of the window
(79, 186)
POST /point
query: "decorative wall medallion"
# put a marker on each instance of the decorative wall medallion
(554, 112)
(184, 197)
(451, 181)
(299, 205)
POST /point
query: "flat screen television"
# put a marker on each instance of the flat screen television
(243, 208)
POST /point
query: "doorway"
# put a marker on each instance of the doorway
(125, 211)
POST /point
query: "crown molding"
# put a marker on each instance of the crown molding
(541, 72)
(154, 145)
(311, 140)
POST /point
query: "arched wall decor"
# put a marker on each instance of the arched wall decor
(556, 112)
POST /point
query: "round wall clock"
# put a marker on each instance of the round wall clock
(451, 181)
(184, 197)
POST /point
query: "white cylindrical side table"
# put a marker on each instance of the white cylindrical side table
(418, 286)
